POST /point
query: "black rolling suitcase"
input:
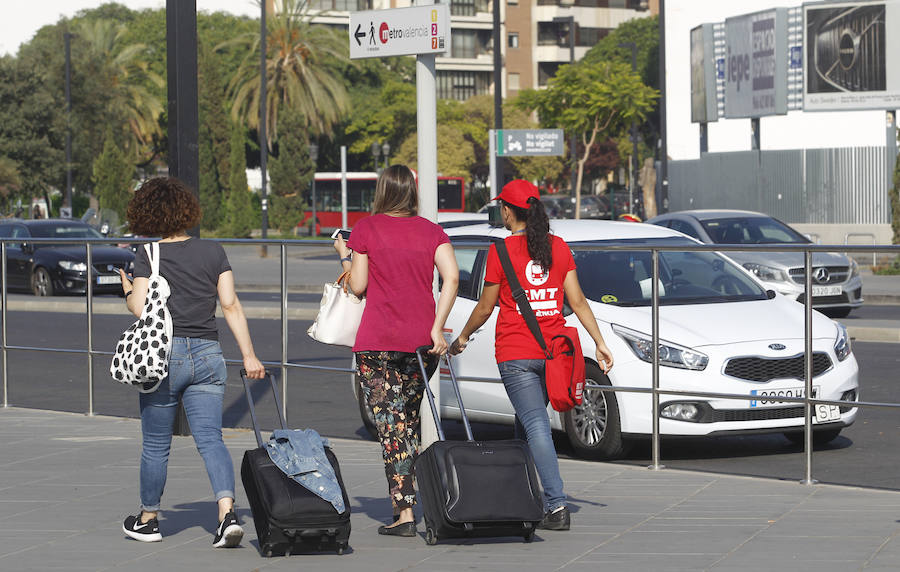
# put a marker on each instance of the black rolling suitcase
(476, 488)
(288, 517)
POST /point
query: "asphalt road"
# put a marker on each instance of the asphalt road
(865, 454)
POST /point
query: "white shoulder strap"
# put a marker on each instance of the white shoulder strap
(153, 254)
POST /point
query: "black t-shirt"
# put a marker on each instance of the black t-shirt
(192, 268)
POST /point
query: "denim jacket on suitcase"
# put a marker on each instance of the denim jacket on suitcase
(300, 454)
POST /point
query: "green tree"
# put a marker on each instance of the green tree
(895, 204)
(113, 177)
(301, 72)
(213, 139)
(291, 173)
(596, 101)
(124, 72)
(239, 212)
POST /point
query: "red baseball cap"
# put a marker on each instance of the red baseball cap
(517, 192)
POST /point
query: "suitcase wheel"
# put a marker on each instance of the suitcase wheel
(430, 537)
(341, 547)
(529, 536)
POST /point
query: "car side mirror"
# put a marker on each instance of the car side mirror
(26, 248)
(770, 294)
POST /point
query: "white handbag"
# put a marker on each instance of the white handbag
(142, 353)
(339, 314)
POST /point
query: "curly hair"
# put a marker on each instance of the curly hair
(163, 206)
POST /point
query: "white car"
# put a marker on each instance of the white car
(720, 331)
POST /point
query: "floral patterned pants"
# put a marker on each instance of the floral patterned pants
(393, 387)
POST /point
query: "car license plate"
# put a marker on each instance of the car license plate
(826, 290)
(108, 279)
(826, 413)
(770, 396)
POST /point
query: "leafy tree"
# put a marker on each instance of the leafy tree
(213, 139)
(124, 73)
(299, 72)
(239, 213)
(596, 101)
(387, 115)
(291, 173)
(10, 180)
(895, 204)
(31, 130)
(113, 177)
(455, 153)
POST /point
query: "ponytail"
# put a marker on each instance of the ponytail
(537, 231)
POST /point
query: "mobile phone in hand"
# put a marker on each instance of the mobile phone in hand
(342, 232)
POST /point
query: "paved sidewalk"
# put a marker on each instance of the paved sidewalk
(67, 481)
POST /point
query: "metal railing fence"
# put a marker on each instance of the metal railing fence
(807, 250)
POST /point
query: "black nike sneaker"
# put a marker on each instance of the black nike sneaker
(143, 531)
(229, 532)
(558, 519)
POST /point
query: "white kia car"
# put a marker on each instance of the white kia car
(721, 331)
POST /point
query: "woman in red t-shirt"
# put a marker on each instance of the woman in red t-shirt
(546, 270)
(395, 253)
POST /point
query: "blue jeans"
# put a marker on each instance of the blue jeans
(523, 380)
(197, 375)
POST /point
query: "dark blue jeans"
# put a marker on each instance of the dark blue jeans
(197, 375)
(523, 380)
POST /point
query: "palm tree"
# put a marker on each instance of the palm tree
(125, 74)
(300, 72)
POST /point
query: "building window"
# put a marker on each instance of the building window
(512, 39)
(462, 8)
(339, 5)
(546, 70)
(588, 37)
(512, 82)
(463, 44)
(461, 85)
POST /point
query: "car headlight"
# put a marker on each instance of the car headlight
(766, 273)
(854, 269)
(671, 355)
(842, 345)
(69, 265)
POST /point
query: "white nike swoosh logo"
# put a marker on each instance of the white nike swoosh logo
(140, 526)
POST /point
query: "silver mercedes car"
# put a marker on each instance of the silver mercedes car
(837, 286)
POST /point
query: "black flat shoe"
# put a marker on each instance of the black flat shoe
(405, 529)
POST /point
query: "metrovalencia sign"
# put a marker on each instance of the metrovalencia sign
(400, 31)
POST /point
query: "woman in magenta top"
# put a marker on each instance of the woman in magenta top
(394, 256)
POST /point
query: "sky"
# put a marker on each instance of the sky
(794, 131)
(22, 19)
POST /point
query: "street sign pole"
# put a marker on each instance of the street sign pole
(492, 152)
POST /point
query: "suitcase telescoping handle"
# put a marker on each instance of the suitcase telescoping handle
(453, 382)
(246, 383)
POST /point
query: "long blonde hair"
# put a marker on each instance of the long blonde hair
(396, 192)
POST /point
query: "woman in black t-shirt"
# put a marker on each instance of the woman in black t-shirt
(197, 272)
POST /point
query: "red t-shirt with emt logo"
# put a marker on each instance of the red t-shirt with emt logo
(544, 290)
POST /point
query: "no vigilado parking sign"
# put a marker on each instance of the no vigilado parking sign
(400, 31)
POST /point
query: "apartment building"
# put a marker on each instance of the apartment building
(535, 37)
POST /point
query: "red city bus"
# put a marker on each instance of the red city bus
(361, 193)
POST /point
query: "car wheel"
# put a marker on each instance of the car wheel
(836, 312)
(365, 413)
(593, 427)
(41, 284)
(819, 437)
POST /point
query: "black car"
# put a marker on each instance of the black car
(47, 269)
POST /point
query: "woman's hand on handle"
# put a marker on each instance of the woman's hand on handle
(254, 368)
(439, 346)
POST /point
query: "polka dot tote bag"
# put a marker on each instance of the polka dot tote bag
(142, 354)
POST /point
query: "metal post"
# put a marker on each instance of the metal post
(492, 162)
(284, 331)
(89, 292)
(314, 157)
(3, 341)
(498, 91)
(343, 186)
(754, 134)
(68, 201)
(573, 142)
(654, 339)
(263, 139)
(808, 364)
(663, 204)
(891, 132)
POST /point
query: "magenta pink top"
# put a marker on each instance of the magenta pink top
(399, 300)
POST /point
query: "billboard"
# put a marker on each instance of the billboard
(852, 55)
(756, 58)
(703, 75)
